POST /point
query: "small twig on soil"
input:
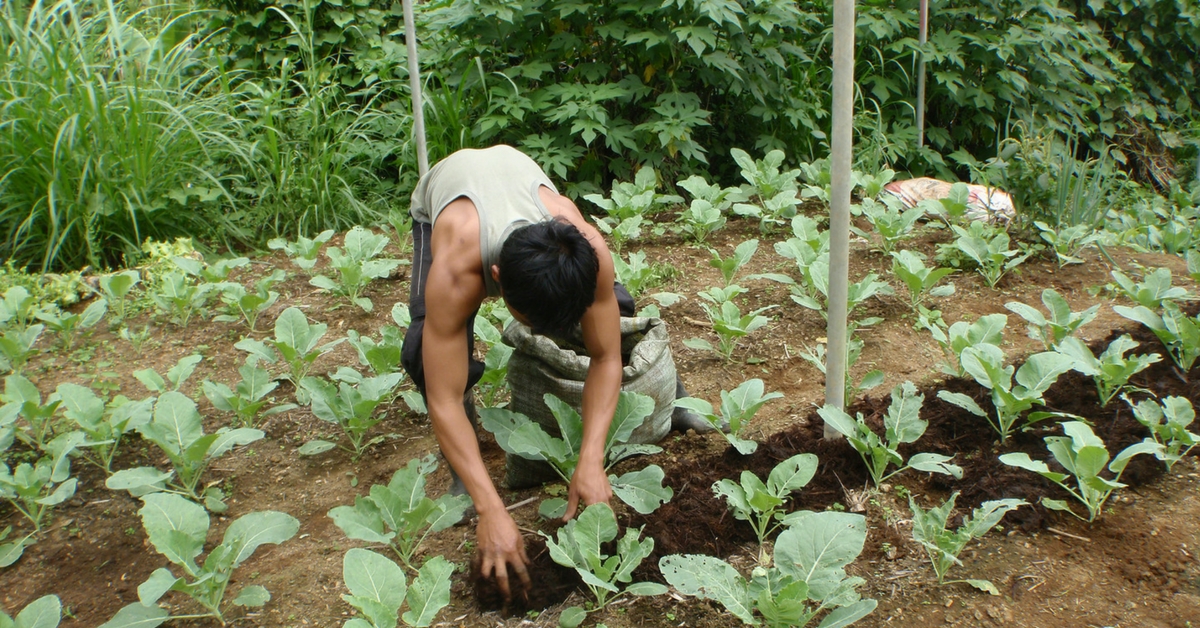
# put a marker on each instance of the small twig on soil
(522, 503)
(1068, 534)
(697, 323)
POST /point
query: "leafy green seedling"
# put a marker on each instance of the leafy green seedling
(761, 504)
(909, 267)
(1193, 265)
(891, 220)
(727, 320)
(988, 246)
(177, 528)
(985, 362)
(295, 341)
(902, 425)
(495, 361)
(871, 379)
(176, 376)
(700, 220)
(1083, 455)
(247, 398)
(1061, 322)
(12, 551)
(987, 329)
(1168, 425)
(807, 577)
(1153, 291)
(636, 274)
(1112, 370)
(68, 325)
(943, 546)
(18, 308)
(356, 266)
(872, 185)
(22, 399)
(177, 429)
(1068, 242)
(350, 404)
(35, 489)
(399, 514)
(211, 273)
(378, 589)
(241, 304)
(17, 346)
(104, 426)
(771, 192)
(952, 208)
(383, 355)
(303, 252)
(179, 297)
(579, 547)
(628, 205)
(1179, 333)
(520, 436)
(136, 337)
(116, 288)
(44, 612)
(730, 266)
(737, 408)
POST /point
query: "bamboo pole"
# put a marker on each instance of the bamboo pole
(839, 204)
(922, 37)
(414, 83)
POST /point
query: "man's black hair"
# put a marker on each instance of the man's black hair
(548, 274)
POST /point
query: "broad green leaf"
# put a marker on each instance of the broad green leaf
(983, 585)
(11, 552)
(962, 401)
(818, 551)
(254, 529)
(137, 616)
(361, 521)
(935, 463)
(1041, 370)
(642, 490)
(44, 612)
(156, 586)
(903, 419)
(253, 596)
(792, 474)
(847, 615)
(80, 404)
(553, 508)
(709, 578)
(176, 422)
(429, 593)
(646, 589)
(571, 617)
(632, 410)
(176, 527)
(139, 481)
(229, 439)
(594, 527)
(315, 447)
(373, 577)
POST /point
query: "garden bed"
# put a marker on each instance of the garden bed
(1135, 566)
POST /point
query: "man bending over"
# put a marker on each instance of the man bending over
(490, 223)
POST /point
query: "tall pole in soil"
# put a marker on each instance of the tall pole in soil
(414, 83)
(922, 37)
(839, 204)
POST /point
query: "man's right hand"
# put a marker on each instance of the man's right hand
(500, 547)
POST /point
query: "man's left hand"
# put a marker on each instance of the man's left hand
(590, 485)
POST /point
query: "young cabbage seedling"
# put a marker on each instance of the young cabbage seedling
(871, 379)
(17, 346)
(1153, 291)
(761, 504)
(636, 275)
(18, 308)
(116, 289)
(987, 246)
(891, 220)
(247, 398)
(1061, 322)
(985, 362)
(807, 577)
(68, 325)
(34, 489)
(987, 329)
(707, 212)
(177, 528)
(943, 546)
(399, 514)
(383, 355)
(730, 266)
(178, 431)
(520, 436)
(579, 547)
(902, 425)
(1069, 242)
(104, 426)
(727, 320)
(1083, 455)
(1112, 370)
(737, 408)
(378, 589)
(241, 304)
(350, 404)
(628, 205)
(215, 273)
(295, 341)
(176, 375)
(303, 252)
(178, 296)
(1168, 425)
(356, 266)
(495, 361)
(909, 267)
(22, 399)
(1177, 331)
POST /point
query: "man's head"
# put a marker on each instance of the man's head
(547, 272)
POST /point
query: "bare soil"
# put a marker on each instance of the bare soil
(1136, 566)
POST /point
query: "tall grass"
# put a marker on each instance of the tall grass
(109, 133)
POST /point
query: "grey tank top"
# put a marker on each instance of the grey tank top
(501, 181)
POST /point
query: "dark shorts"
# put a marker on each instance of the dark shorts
(410, 354)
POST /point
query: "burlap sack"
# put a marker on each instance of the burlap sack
(541, 365)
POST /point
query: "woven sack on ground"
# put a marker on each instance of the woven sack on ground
(541, 365)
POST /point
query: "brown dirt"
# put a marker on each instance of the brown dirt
(1135, 567)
